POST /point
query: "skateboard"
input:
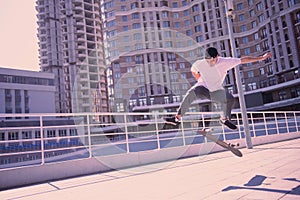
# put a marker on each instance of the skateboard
(231, 147)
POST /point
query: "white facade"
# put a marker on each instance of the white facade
(24, 91)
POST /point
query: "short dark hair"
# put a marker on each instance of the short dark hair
(211, 52)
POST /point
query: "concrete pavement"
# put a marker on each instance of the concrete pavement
(270, 171)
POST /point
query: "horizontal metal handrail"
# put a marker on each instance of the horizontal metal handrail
(128, 134)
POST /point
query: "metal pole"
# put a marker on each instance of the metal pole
(229, 14)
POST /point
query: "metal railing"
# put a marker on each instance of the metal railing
(36, 139)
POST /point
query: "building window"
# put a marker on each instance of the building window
(137, 36)
(140, 80)
(187, 22)
(168, 44)
(195, 8)
(252, 13)
(164, 14)
(292, 2)
(128, 59)
(141, 91)
(241, 17)
(247, 51)
(125, 28)
(117, 74)
(243, 28)
(176, 98)
(199, 38)
(261, 18)
(120, 107)
(131, 80)
(186, 13)
(259, 6)
(230, 90)
(295, 92)
(240, 6)
(166, 24)
(111, 23)
(298, 17)
(282, 95)
(172, 66)
(62, 133)
(262, 71)
(245, 40)
(132, 102)
(263, 83)
(73, 132)
(252, 86)
(143, 102)
(197, 18)
(134, 5)
(198, 28)
(124, 18)
(257, 48)
(256, 36)
(26, 134)
(136, 26)
(2, 136)
(166, 100)
(13, 135)
(50, 133)
(250, 74)
(138, 46)
(135, 16)
(37, 134)
(188, 32)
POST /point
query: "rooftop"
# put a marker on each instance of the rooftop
(269, 171)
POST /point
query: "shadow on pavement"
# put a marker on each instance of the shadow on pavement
(258, 180)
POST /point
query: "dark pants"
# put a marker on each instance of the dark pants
(200, 92)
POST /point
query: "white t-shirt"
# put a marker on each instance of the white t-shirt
(212, 77)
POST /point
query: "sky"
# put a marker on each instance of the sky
(18, 35)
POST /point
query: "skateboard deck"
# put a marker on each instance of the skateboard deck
(231, 147)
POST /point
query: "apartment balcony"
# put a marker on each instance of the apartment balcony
(80, 24)
(80, 31)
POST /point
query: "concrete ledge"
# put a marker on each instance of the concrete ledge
(53, 171)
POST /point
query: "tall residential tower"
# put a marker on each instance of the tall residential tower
(71, 46)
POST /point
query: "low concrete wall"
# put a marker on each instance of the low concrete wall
(53, 171)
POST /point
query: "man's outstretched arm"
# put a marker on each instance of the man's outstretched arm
(250, 59)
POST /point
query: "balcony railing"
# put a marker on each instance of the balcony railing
(37, 139)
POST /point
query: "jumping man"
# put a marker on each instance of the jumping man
(210, 74)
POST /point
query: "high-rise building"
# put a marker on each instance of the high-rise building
(71, 46)
(151, 45)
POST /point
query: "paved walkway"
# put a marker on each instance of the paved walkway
(265, 172)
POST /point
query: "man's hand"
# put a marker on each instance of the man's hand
(250, 59)
(266, 55)
(196, 75)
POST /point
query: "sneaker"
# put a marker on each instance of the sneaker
(228, 123)
(172, 120)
